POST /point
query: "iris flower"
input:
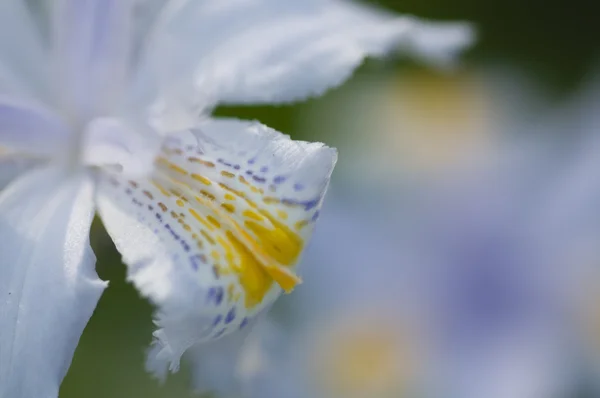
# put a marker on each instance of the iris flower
(104, 107)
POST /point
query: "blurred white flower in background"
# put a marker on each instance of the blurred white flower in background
(486, 275)
(422, 124)
(105, 105)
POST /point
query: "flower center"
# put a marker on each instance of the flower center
(116, 144)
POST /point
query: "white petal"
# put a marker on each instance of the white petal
(92, 52)
(272, 51)
(48, 285)
(30, 128)
(13, 165)
(218, 231)
(23, 61)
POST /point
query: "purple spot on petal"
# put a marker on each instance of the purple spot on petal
(230, 315)
(244, 323)
(315, 216)
(259, 179)
(279, 179)
(219, 295)
(264, 169)
(298, 187)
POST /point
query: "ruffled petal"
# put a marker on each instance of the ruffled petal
(48, 284)
(274, 51)
(31, 128)
(92, 50)
(216, 234)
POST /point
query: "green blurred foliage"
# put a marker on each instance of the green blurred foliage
(554, 41)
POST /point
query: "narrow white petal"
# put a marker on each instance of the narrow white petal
(48, 285)
(23, 60)
(92, 40)
(13, 165)
(272, 51)
(216, 233)
(31, 128)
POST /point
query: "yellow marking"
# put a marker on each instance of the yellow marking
(178, 169)
(300, 224)
(282, 214)
(230, 291)
(202, 179)
(238, 193)
(252, 215)
(227, 174)
(148, 194)
(229, 196)
(254, 189)
(175, 192)
(161, 189)
(271, 200)
(281, 243)
(213, 221)
(243, 180)
(229, 207)
(207, 195)
(201, 219)
(174, 215)
(284, 278)
(200, 161)
(215, 255)
(161, 160)
(207, 237)
(133, 184)
(252, 276)
(162, 206)
(180, 203)
(187, 227)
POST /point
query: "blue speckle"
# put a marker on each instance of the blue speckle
(219, 295)
(237, 167)
(251, 161)
(307, 204)
(230, 316)
(194, 260)
(279, 179)
(264, 169)
(249, 172)
(298, 187)
(315, 216)
(218, 319)
(244, 323)
(211, 294)
(259, 179)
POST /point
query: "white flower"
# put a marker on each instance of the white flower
(100, 103)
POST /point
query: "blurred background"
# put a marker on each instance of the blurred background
(455, 255)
